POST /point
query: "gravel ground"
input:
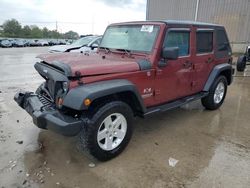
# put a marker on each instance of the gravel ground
(212, 147)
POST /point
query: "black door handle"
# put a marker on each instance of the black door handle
(209, 60)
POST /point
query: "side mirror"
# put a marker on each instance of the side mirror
(162, 63)
(170, 53)
(93, 46)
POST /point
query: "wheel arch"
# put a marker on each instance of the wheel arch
(227, 73)
(221, 69)
(105, 91)
(127, 97)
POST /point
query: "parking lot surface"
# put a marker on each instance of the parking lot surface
(212, 147)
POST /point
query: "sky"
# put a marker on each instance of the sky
(82, 16)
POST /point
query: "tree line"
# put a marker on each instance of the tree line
(12, 28)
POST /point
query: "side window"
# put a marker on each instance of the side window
(221, 40)
(204, 42)
(178, 39)
(97, 42)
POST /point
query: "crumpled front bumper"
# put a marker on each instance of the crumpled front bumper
(48, 117)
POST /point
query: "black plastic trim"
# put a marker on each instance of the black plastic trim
(75, 97)
(48, 118)
(49, 72)
(215, 72)
(174, 104)
(144, 64)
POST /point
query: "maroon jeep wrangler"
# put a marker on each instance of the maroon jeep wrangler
(140, 68)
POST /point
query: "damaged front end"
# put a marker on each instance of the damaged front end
(28, 101)
(44, 106)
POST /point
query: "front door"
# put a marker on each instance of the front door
(173, 81)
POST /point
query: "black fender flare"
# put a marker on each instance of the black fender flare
(75, 97)
(217, 70)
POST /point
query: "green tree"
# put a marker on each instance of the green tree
(1, 30)
(45, 32)
(12, 28)
(71, 35)
(26, 32)
(36, 32)
(54, 34)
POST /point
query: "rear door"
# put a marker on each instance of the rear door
(204, 58)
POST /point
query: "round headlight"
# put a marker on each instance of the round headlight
(65, 86)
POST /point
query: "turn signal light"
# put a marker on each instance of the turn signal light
(87, 102)
(60, 102)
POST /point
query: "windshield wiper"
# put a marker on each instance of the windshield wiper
(107, 50)
(128, 52)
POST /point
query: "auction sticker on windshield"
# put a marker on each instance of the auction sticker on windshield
(147, 28)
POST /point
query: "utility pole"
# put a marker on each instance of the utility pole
(196, 10)
(93, 23)
(56, 26)
(57, 29)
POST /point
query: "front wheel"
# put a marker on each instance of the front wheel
(108, 131)
(217, 94)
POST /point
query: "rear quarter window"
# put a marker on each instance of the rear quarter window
(221, 40)
(223, 48)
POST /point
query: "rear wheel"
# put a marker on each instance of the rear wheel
(217, 94)
(241, 63)
(108, 131)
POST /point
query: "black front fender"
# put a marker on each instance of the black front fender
(75, 97)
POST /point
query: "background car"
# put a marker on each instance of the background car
(26, 42)
(89, 43)
(62, 42)
(33, 42)
(5, 43)
(18, 43)
(91, 47)
(42, 43)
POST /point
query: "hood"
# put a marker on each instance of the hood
(63, 48)
(92, 64)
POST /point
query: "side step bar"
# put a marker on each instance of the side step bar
(175, 104)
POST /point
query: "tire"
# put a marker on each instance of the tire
(217, 94)
(107, 146)
(241, 63)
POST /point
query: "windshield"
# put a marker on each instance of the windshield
(130, 37)
(83, 41)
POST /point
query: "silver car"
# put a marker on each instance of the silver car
(85, 44)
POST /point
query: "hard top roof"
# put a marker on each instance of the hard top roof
(187, 22)
(174, 22)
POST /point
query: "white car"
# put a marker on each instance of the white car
(85, 44)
